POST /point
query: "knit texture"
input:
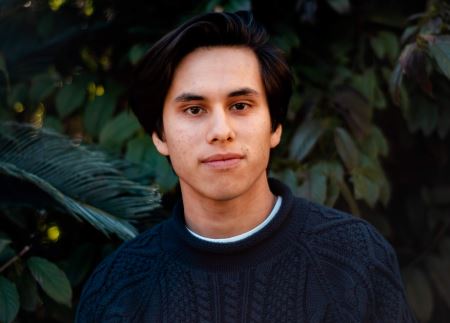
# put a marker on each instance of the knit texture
(309, 264)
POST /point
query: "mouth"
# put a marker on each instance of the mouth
(221, 161)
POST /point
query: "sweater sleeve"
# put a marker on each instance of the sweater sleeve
(90, 308)
(389, 299)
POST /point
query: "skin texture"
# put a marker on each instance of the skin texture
(217, 132)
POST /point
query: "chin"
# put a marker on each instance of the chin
(221, 194)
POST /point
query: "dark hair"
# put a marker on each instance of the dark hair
(153, 75)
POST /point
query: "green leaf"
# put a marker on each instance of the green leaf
(355, 109)
(53, 123)
(346, 148)
(9, 300)
(29, 296)
(394, 84)
(439, 48)
(286, 39)
(367, 85)
(42, 86)
(6, 254)
(341, 6)
(390, 45)
(70, 97)
(4, 70)
(333, 192)
(19, 93)
(118, 130)
(289, 177)
(334, 173)
(422, 115)
(4, 241)
(136, 52)
(377, 46)
(364, 187)
(138, 148)
(375, 143)
(305, 139)
(236, 5)
(314, 186)
(419, 293)
(330, 168)
(408, 33)
(53, 280)
(141, 150)
(98, 112)
(369, 180)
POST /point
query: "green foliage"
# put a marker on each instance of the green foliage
(28, 291)
(51, 279)
(94, 190)
(141, 150)
(341, 6)
(98, 112)
(9, 300)
(42, 86)
(305, 138)
(118, 130)
(3, 69)
(386, 44)
(70, 98)
(439, 48)
(346, 148)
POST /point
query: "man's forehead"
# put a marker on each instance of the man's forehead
(228, 71)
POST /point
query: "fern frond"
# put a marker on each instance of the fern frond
(86, 182)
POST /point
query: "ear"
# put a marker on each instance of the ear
(275, 136)
(160, 144)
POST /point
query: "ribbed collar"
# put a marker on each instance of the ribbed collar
(272, 239)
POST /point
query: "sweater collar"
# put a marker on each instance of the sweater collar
(177, 239)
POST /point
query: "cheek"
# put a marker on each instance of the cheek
(180, 146)
(181, 151)
(258, 142)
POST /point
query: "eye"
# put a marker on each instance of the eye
(240, 106)
(194, 110)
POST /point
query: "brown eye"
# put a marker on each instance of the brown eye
(240, 106)
(194, 110)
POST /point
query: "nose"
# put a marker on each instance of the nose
(220, 128)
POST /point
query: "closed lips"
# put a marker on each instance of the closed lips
(221, 157)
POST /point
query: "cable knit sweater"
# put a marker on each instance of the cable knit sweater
(309, 264)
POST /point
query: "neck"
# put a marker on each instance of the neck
(226, 218)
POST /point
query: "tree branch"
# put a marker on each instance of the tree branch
(15, 258)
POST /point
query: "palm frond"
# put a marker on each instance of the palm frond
(87, 183)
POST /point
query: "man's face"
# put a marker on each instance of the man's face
(217, 128)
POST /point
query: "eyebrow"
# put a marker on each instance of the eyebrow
(187, 97)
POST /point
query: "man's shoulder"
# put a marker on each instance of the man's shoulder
(355, 262)
(333, 233)
(123, 270)
(133, 257)
(137, 254)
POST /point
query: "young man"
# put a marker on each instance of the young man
(239, 247)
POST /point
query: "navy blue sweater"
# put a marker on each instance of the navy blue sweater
(309, 264)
